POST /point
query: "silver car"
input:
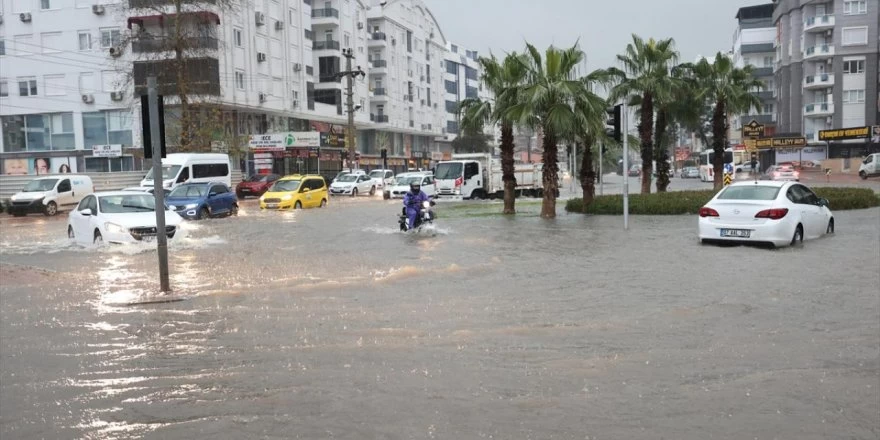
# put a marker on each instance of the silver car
(781, 173)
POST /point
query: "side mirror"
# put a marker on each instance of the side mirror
(213, 194)
(823, 202)
(87, 212)
(304, 190)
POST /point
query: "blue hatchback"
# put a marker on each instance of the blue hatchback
(202, 200)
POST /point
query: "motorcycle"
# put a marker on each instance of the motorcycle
(425, 217)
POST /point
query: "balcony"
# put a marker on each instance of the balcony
(822, 81)
(310, 34)
(764, 95)
(379, 119)
(325, 45)
(378, 95)
(379, 67)
(819, 110)
(822, 52)
(202, 76)
(377, 39)
(329, 78)
(152, 4)
(163, 44)
(325, 16)
(760, 72)
(819, 23)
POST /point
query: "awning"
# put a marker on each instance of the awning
(204, 15)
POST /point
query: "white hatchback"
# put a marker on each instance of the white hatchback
(352, 185)
(118, 217)
(772, 212)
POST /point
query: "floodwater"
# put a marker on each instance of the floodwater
(329, 324)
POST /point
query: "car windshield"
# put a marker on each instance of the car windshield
(284, 186)
(127, 203)
(40, 185)
(189, 191)
(409, 180)
(168, 172)
(377, 174)
(749, 192)
(348, 178)
(258, 178)
(450, 170)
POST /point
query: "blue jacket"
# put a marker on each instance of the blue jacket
(414, 201)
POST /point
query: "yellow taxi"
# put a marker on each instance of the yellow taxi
(296, 192)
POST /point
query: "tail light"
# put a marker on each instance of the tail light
(772, 214)
(776, 174)
(459, 181)
(708, 212)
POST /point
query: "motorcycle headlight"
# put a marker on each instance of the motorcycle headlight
(286, 197)
(114, 228)
(426, 205)
(191, 206)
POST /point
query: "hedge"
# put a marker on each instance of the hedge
(690, 202)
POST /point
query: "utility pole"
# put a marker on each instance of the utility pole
(350, 75)
(158, 182)
(624, 115)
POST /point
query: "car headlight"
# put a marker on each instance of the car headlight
(114, 228)
(286, 197)
(261, 198)
(13, 198)
(191, 206)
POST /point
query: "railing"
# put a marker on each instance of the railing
(146, 45)
(379, 92)
(379, 118)
(819, 50)
(326, 78)
(380, 63)
(325, 13)
(378, 36)
(325, 45)
(819, 20)
(821, 107)
(823, 78)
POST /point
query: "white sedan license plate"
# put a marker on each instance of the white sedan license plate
(272, 205)
(736, 233)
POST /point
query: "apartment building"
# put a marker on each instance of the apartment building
(753, 45)
(827, 71)
(462, 80)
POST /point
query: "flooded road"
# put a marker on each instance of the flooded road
(328, 323)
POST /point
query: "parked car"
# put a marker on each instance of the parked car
(402, 182)
(255, 185)
(870, 166)
(296, 192)
(746, 167)
(48, 195)
(382, 178)
(179, 168)
(773, 212)
(352, 185)
(118, 217)
(346, 171)
(635, 170)
(197, 201)
(781, 173)
(690, 173)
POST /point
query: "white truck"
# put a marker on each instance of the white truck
(478, 176)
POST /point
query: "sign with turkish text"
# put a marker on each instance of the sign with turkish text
(753, 129)
(279, 141)
(840, 134)
(780, 142)
(114, 150)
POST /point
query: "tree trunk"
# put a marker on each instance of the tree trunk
(587, 174)
(551, 175)
(507, 174)
(660, 152)
(646, 126)
(718, 144)
(180, 64)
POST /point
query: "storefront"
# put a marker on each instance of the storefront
(306, 152)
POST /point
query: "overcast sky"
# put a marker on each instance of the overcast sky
(699, 27)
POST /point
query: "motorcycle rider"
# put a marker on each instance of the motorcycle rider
(412, 201)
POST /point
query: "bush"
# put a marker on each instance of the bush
(690, 202)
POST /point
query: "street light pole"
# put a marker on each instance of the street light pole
(350, 75)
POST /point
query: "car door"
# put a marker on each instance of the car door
(363, 184)
(216, 200)
(307, 188)
(807, 203)
(428, 186)
(819, 217)
(78, 220)
(65, 193)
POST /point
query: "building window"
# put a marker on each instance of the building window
(4, 89)
(452, 127)
(852, 7)
(854, 66)
(239, 80)
(855, 36)
(470, 92)
(24, 44)
(2, 47)
(51, 42)
(110, 38)
(454, 49)
(109, 164)
(854, 96)
(45, 4)
(102, 128)
(767, 109)
(451, 107)
(768, 61)
(85, 40)
(39, 132)
(451, 68)
(347, 39)
(54, 85)
(27, 87)
(236, 36)
(470, 73)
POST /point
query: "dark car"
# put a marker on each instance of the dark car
(202, 200)
(255, 185)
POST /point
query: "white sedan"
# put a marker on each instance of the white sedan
(402, 182)
(771, 212)
(352, 185)
(118, 217)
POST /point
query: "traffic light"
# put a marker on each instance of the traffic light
(613, 122)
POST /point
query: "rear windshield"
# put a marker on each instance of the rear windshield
(749, 192)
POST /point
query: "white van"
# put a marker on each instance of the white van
(50, 194)
(870, 166)
(192, 168)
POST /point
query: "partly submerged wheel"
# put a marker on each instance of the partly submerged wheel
(323, 203)
(98, 238)
(203, 213)
(234, 211)
(50, 209)
(70, 233)
(354, 192)
(798, 237)
(830, 229)
(297, 205)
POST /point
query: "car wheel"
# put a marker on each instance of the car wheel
(830, 228)
(204, 213)
(798, 237)
(323, 203)
(70, 233)
(297, 205)
(863, 175)
(354, 192)
(98, 238)
(50, 209)
(386, 195)
(372, 190)
(234, 211)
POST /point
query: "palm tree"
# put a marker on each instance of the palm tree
(730, 89)
(475, 113)
(591, 124)
(552, 99)
(645, 77)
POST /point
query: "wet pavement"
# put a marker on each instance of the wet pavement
(328, 323)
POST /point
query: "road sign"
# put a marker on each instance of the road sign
(753, 129)
(728, 168)
(727, 178)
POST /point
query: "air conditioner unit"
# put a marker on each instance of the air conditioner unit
(117, 96)
(297, 67)
(98, 9)
(88, 99)
(25, 17)
(360, 25)
(115, 52)
(279, 25)
(262, 97)
(261, 57)
(260, 18)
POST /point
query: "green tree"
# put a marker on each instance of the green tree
(501, 79)
(731, 90)
(643, 79)
(552, 98)
(472, 142)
